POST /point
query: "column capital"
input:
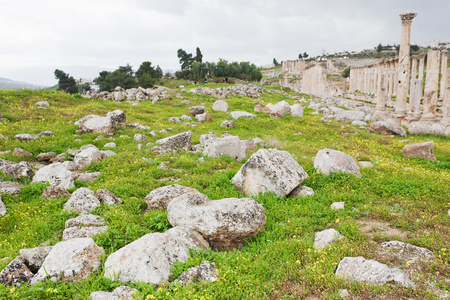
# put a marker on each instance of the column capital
(408, 17)
(415, 56)
(422, 55)
(445, 51)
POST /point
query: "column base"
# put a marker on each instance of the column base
(428, 117)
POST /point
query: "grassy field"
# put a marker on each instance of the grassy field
(407, 198)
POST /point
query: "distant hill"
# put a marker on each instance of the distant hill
(6, 83)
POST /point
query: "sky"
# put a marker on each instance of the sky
(83, 37)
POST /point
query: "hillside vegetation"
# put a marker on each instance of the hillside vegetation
(406, 198)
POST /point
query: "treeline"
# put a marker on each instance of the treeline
(146, 76)
(202, 70)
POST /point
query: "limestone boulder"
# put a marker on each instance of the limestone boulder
(297, 110)
(3, 210)
(159, 198)
(140, 138)
(228, 145)
(371, 272)
(83, 226)
(328, 160)
(96, 124)
(120, 293)
(34, 257)
(180, 141)
(16, 170)
(420, 150)
(88, 176)
(150, 258)
(107, 197)
(228, 123)
(206, 271)
(326, 238)
(269, 171)
(70, 260)
(429, 127)
(16, 273)
(196, 110)
(204, 117)
(21, 152)
(223, 223)
(242, 114)
(55, 174)
(175, 120)
(220, 105)
(302, 191)
(25, 137)
(11, 187)
(83, 200)
(87, 156)
(47, 156)
(350, 115)
(387, 127)
(206, 137)
(54, 192)
(279, 110)
(118, 118)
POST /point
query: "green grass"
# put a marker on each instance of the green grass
(411, 195)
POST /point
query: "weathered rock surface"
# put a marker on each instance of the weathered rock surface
(107, 198)
(240, 114)
(87, 156)
(337, 205)
(180, 141)
(120, 293)
(407, 251)
(25, 137)
(55, 174)
(228, 145)
(21, 152)
(140, 138)
(16, 170)
(83, 226)
(16, 273)
(34, 257)
(279, 110)
(302, 191)
(196, 110)
(204, 117)
(11, 187)
(55, 191)
(371, 271)
(206, 271)
(118, 118)
(3, 210)
(88, 177)
(269, 170)
(96, 124)
(429, 127)
(388, 127)
(297, 110)
(150, 258)
(159, 198)
(223, 223)
(83, 200)
(227, 123)
(328, 160)
(326, 238)
(45, 156)
(220, 105)
(421, 150)
(70, 260)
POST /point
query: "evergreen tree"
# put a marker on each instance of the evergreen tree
(66, 83)
(198, 55)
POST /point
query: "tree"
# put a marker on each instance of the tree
(198, 55)
(66, 83)
(414, 48)
(275, 62)
(158, 72)
(300, 56)
(305, 55)
(346, 72)
(123, 77)
(379, 48)
(146, 68)
(185, 58)
(146, 80)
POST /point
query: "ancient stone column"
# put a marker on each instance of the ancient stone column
(421, 65)
(431, 86)
(414, 100)
(443, 73)
(344, 85)
(404, 65)
(394, 90)
(391, 77)
(446, 105)
(285, 80)
(414, 66)
(381, 97)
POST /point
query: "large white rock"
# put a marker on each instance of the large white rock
(83, 200)
(120, 293)
(326, 238)
(96, 124)
(118, 118)
(16, 273)
(429, 127)
(16, 170)
(223, 223)
(421, 150)
(87, 156)
(350, 115)
(269, 170)
(279, 110)
(228, 145)
(25, 137)
(3, 210)
(328, 160)
(371, 271)
(34, 257)
(220, 105)
(56, 174)
(297, 110)
(239, 114)
(150, 258)
(179, 141)
(70, 260)
(85, 225)
(206, 271)
(159, 198)
(387, 127)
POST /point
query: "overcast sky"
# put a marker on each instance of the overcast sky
(82, 37)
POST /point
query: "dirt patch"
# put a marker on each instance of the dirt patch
(372, 228)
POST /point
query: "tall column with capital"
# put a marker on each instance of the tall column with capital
(446, 106)
(443, 73)
(421, 65)
(403, 65)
